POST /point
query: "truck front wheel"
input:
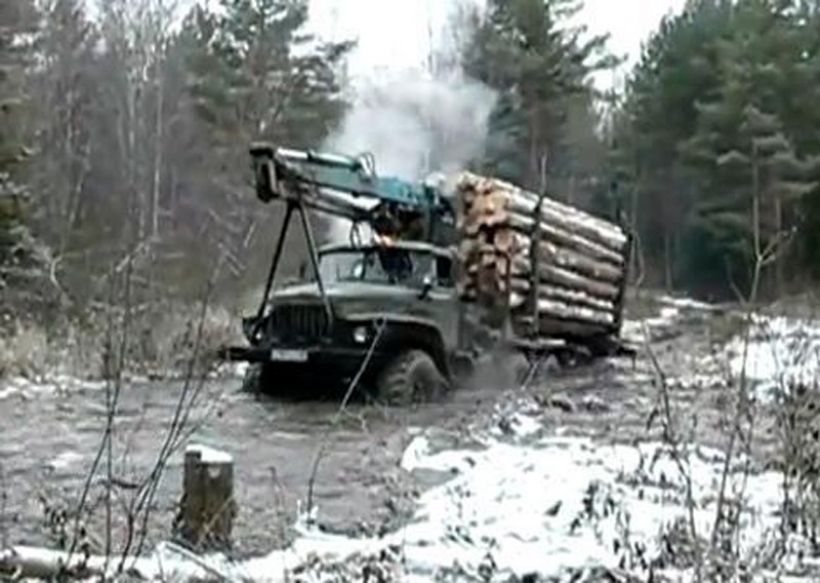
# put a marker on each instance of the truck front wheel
(412, 377)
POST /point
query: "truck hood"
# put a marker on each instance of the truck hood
(350, 299)
(343, 291)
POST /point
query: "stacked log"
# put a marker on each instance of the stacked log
(558, 270)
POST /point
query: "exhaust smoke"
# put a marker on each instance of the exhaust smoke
(415, 124)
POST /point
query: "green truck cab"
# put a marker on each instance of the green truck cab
(389, 311)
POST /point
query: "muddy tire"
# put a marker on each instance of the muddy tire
(412, 377)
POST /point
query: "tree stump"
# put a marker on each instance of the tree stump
(207, 509)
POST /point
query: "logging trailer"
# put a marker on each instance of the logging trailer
(431, 281)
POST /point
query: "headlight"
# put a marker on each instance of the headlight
(360, 334)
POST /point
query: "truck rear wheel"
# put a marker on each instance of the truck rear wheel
(412, 377)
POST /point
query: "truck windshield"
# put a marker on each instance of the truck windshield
(387, 265)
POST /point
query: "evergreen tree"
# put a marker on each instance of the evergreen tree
(526, 50)
(678, 68)
(721, 94)
(258, 75)
(64, 88)
(752, 176)
(253, 73)
(17, 25)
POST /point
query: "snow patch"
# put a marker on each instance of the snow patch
(636, 331)
(549, 507)
(49, 384)
(541, 505)
(687, 303)
(64, 460)
(781, 351)
(209, 455)
(562, 504)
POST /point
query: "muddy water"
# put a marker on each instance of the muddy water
(48, 442)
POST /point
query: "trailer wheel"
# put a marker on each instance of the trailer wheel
(412, 377)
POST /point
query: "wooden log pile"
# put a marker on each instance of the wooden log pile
(558, 270)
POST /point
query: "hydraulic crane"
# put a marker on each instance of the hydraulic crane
(348, 188)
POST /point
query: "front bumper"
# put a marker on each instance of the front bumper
(318, 360)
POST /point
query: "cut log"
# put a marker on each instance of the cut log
(493, 277)
(557, 309)
(495, 197)
(208, 508)
(509, 241)
(549, 274)
(562, 277)
(564, 238)
(522, 287)
(510, 237)
(548, 326)
(24, 563)
(519, 296)
(471, 187)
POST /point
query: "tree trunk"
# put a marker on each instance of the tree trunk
(667, 260)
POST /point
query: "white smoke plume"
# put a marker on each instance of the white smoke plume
(415, 124)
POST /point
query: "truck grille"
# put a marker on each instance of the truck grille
(298, 323)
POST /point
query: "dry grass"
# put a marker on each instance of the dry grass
(162, 341)
(24, 351)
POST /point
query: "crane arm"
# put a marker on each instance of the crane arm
(349, 187)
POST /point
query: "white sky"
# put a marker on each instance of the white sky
(395, 33)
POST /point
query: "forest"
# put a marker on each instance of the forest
(134, 249)
(124, 133)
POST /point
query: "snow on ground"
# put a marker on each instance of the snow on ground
(520, 500)
(687, 303)
(528, 502)
(776, 352)
(57, 383)
(672, 311)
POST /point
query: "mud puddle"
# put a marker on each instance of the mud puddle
(49, 438)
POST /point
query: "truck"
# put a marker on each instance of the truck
(391, 310)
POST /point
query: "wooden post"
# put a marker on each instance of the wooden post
(207, 508)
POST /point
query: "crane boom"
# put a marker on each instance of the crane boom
(348, 187)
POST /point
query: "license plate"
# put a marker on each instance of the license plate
(279, 355)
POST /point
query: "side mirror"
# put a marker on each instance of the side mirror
(264, 172)
(426, 287)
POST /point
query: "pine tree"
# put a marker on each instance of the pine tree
(253, 73)
(258, 75)
(755, 176)
(723, 90)
(64, 89)
(17, 24)
(678, 69)
(526, 50)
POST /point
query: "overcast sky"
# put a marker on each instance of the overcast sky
(395, 33)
